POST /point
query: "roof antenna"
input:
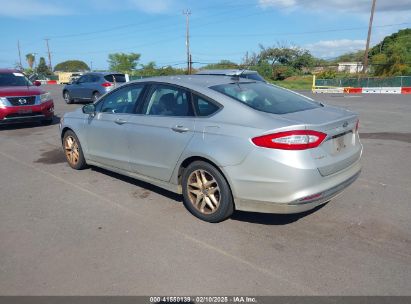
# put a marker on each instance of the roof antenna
(237, 76)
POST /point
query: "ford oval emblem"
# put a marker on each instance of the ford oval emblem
(345, 124)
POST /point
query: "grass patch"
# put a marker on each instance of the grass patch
(296, 83)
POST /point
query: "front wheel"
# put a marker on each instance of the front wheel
(206, 193)
(67, 97)
(73, 152)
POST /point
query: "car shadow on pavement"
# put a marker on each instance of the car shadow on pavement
(270, 218)
(243, 216)
(146, 186)
(28, 125)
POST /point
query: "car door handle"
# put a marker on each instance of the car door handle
(180, 129)
(120, 121)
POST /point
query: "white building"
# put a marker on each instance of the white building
(350, 67)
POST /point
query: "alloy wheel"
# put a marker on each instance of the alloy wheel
(72, 150)
(203, 191)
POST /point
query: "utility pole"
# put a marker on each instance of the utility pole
(91, 66)
(188, 13)
(367, 47)
(48, 51)
(18, 47)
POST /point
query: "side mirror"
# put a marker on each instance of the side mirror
(89, 109)
(37, 83)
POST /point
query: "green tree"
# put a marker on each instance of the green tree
(72, 66)
(392, 56)
(350, 57)
(121, 62)
(223, 64)
(43, 68)
(30, 60)
(285, 61)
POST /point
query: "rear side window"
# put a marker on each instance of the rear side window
(115, 78)
(94, 78)
(266, 98)
(204, 107)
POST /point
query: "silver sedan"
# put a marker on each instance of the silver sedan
(224, 143)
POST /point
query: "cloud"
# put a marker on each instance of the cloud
(334, 48)
(24, 8)
(357, 6)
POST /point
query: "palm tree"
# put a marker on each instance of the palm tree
(30, 60)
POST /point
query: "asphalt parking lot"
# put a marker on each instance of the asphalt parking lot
(92, 232)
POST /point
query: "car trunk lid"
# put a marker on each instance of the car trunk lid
(341, 148)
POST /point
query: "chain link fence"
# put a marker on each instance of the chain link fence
(372, 82)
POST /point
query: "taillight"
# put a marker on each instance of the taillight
(106, 84)
(291, 140)
(357, 125)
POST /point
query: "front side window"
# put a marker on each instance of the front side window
(168, 101)
(266, 98)
(14, 79)
(123, 100)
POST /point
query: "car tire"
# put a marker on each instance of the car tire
(67, 97)
(73, 151)
(96, 95)
(206, 193)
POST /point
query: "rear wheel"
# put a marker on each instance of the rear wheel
(206, 193)
(67, 97)
(96, 95)
(73, 152)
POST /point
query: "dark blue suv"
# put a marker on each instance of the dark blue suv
(91, 86)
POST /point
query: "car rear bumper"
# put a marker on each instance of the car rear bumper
(260, 185)
(296, 206)
(19, 114)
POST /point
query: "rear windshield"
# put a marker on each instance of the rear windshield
(14, 79)
(115, 78)
(267, 98)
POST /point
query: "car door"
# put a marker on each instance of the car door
(160, 133)
(90, 86)
(106, 132)
(76, 87)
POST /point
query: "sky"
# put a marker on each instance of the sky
(89, 30)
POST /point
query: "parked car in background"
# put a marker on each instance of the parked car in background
(22, 101)
(90, 86)
(224, 144)
(248, 74)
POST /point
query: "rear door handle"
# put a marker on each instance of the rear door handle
(120, 121)
(180, 129)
